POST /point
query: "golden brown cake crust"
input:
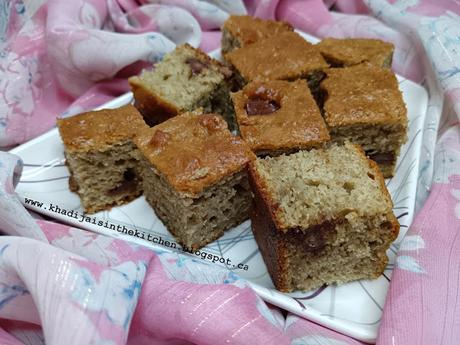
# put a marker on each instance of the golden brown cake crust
(297, 124)
(381, 180)
(380, 177)
(249, 29)
(377, 174)
(362, 94)
(353, 51)
(286, 56)
(266, 233)
(99, 129)
(194, 151)
(154, 108)
(262, 197)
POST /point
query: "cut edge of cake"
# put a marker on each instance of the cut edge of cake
(284, 246)
(184, 80)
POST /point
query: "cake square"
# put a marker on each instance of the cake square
(101, 156)
(353, 51)
(278, 116)
(321, 217)
(286, 56)
(239, 31)
(186, 79)
(363, 104)
(195, 177)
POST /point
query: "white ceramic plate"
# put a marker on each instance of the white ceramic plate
(354, 309)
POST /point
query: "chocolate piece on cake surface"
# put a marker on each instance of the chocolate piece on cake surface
(186, 79)
(101, 157)
(363, 104)
(286, 56)
(321, 217)
(352, 51)
(195, 177)
(239, 31)
(276, 117)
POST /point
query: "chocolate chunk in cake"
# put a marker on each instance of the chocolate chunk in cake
(196, 66)
(259, 106)
(277, 116)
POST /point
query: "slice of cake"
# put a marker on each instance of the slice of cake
(363, 104)
(321, 217)
(184, 80)
(239, 31)
(101, 156)
(277, 116)
(195, 177)
(353, 51)
(286, 56)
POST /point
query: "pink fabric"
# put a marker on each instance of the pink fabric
(64, 57)
(436, 277)
(234, 308)
(300, 14)
(8, 339)
(356, 7)
(306, 332)
(422, 304)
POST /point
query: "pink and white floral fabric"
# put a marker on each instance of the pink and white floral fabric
(63, 285)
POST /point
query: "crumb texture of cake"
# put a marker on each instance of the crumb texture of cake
(184, 80)
(195, 176)
(239, 31)
(101, 157)
(276, 117)
(286, 56)
(321, 217)
(353, 51)
(363, 104)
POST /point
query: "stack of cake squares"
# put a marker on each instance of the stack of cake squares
(281, 132)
